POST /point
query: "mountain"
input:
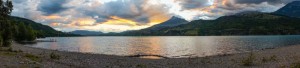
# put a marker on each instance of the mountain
(172, 22)
(41, 30)
(292, 9)
(240, 24)
(246, 23)
(84, 32)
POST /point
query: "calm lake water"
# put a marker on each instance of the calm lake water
(168, 46)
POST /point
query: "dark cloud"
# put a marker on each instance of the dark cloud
(125, 9)
(49, 7)
(19, 1)
(191, 4)
(132, 10)
(260, 1)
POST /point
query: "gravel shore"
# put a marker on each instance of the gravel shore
(28, 57)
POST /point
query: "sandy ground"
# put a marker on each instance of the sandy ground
(27, 57)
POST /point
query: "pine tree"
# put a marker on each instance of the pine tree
(5, 24)
(1, 40)
(30, 34)
(21, 36)
(7, 34)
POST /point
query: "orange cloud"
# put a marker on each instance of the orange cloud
(158, 18)
(224, 2)
(52, 17)
(83, 22)
(120, 21)
(54, 24)
(156, 13)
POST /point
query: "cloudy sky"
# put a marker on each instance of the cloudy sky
(122, 15)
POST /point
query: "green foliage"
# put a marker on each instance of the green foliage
(25, 33)
(20, 34)
(266, 59)
(6, 8)
(30, 34)
(54, 56)
(141, 66)
(10, 49)
(1, 40)
(6, 32)
(5, 25)
(33, 57)
(248, 61)
(295, 65)
(9, 5)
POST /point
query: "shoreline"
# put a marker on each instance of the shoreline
(271, 58)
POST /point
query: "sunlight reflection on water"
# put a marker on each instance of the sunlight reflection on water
(167, 46)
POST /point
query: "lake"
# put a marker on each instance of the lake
(167, 46)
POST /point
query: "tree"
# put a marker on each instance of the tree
(30, 34)
(5, 24)
(25, 33)
(9, 6)
(6, 8)
(1, 40)
(21, 36)
(7, 33)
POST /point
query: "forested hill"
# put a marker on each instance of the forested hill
(41, 30)
(253, 23)
(86, 32)
(292, 9)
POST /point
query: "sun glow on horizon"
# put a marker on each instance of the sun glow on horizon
(115, 20)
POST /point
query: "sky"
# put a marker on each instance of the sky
(123, 15)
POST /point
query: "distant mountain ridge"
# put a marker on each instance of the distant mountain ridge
(292, 9)
(172, 22)
(85, 32)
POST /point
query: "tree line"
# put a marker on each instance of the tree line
(11, 30)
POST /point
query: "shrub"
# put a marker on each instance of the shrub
(249, 60)
(6, 43)
(32, 57)
(295, 65)
(54, 56)
(10, 49)
(272, 58)
(141, 66)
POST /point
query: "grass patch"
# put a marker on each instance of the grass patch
(10, 49)
(9, 53)
(248, 61)
(205, 60)
(272, 58)
(295, 65)
(33, 57)
(141, 66)
(54, 56)
(19, 51)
